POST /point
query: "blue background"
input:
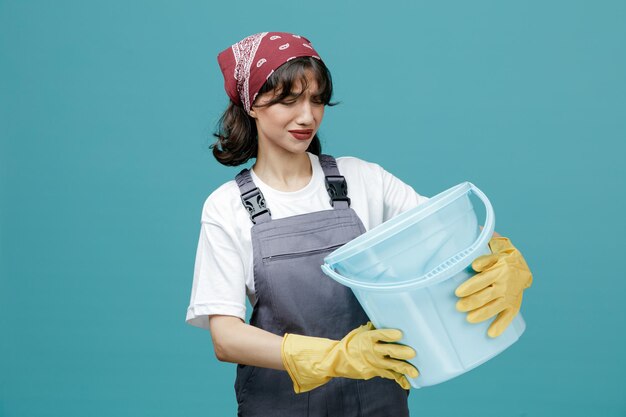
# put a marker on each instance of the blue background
(107, 110)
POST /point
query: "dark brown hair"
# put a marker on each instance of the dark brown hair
(236, 131)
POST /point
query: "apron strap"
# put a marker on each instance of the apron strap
(253, 200)
(336, 184)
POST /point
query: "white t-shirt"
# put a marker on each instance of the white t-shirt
(223, 273)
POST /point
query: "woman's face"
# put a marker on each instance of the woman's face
(289, 126)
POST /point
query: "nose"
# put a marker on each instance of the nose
(305, 115)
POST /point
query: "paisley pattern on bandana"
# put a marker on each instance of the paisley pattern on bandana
(247, 64)
(244, 52)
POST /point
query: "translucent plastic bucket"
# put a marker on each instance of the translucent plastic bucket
(404, 273)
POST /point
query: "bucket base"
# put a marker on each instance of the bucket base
(517, 327)
(446, 344)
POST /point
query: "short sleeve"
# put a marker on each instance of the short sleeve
(218, 279)
(398, 196)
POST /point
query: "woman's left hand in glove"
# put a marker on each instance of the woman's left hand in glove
(497, 288)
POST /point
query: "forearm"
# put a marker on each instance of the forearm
(238, 342)
(312, 361)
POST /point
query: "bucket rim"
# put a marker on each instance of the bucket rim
(396, 224)
(443, 271)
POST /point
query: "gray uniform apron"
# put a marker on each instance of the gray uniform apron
(294, 296)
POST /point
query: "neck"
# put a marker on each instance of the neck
(283, 171)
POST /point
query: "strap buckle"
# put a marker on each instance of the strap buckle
(337, 188)
(254, 202)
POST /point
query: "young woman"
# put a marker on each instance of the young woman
(309, 349)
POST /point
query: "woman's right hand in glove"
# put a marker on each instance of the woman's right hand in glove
(363, 353)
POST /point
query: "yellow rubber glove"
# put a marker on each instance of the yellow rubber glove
(362, 354)
(497, 288)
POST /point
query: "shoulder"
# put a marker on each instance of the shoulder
(223, 205)
(364, 178)
(353, 166)
(372, 176)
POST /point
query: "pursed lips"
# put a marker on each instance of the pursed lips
(302, 134)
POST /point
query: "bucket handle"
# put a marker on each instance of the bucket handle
(453, 268)
(490, 218)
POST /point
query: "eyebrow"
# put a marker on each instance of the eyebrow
(297, 94)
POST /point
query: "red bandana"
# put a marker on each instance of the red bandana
(248, 63)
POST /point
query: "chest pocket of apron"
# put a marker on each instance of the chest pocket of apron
(289, 278)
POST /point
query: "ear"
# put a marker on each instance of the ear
(252, 113)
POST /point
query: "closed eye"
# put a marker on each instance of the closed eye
(293, 98)
(290, 99)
